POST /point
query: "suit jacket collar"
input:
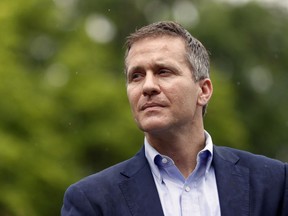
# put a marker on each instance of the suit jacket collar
(139, 188)
(142, 198)
(232, 183)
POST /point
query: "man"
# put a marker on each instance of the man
(178, 171)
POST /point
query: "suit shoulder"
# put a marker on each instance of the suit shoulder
(104, 175)
(246, 158)
(113, 174)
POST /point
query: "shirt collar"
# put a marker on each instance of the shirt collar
(150, 154)
(205, 154)
(209, 149)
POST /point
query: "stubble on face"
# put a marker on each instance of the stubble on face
(160, 86)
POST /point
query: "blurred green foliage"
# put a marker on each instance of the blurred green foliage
(63, 109)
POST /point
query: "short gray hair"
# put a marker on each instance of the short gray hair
(197, 55)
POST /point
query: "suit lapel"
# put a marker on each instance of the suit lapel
(232, 183)
(139, 189)
(142, 198)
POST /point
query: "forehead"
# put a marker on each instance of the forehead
(164, 40)
(160, 47)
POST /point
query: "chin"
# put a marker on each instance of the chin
(153, 127)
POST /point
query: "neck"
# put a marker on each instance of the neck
(182, 146)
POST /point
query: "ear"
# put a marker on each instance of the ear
(205, 93)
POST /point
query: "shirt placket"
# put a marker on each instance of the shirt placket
(189, 200)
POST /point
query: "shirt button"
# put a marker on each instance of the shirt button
(187, 189)
(164, 160)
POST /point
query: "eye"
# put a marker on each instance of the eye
(135, 76)
(164, 72)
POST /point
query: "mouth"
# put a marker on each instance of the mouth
(151, 105)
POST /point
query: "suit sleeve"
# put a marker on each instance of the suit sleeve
(285, 199)
(76, 203)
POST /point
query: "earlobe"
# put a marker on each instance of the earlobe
(206, 90)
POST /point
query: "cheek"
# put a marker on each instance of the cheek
(184, 96)
(132, 98)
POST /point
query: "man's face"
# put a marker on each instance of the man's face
(160, 88)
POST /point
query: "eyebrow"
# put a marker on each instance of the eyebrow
(157, 65)
(134, 68)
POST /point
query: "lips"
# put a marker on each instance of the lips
(151, 105)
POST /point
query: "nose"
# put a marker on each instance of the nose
(150, 85)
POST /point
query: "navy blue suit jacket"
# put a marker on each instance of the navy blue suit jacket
(247, 185)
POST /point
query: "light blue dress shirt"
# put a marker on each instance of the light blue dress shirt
(196, 195)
